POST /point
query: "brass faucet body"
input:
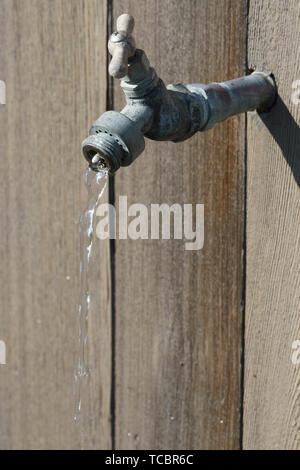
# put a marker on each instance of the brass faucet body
(175, 112)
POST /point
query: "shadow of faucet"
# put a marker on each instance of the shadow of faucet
(286, 133)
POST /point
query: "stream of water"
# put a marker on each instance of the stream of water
(96, 184)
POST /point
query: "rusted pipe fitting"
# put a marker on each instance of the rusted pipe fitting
(158, 112)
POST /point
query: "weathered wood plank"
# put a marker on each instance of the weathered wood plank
(53, 59)
(272, 381)
(178, 313)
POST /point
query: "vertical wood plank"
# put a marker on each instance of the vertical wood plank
(272, 381)
(178, 313)
(53, 60)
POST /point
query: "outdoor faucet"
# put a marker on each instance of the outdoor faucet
(175, 112)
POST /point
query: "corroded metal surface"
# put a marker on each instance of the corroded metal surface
(163, 113)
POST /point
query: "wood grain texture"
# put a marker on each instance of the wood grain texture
(53, 59)
(178, 313)
(272, 381)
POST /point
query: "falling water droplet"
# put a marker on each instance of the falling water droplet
(96, 184)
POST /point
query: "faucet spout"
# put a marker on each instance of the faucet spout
(157, 112)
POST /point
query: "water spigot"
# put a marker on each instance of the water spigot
(175, 112)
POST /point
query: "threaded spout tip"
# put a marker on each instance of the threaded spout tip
(102, 152)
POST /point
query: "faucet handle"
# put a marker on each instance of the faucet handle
(121, 46)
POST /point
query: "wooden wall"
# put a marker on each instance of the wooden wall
(178, 313)
(272, 381)
(52, 58)
(178, 359)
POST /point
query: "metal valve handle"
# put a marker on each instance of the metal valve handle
(121, 46)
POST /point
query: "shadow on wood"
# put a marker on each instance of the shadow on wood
(286, 133)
